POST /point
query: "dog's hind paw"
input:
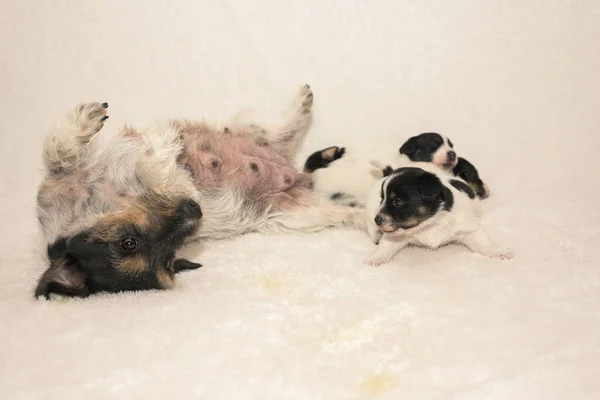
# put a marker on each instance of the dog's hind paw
(305, 99)
(89, 119)
(500, 253)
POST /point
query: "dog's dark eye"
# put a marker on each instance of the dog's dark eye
(435, 143)
(129, 244)
(398, 202)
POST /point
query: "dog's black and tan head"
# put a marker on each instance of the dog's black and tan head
(430, 147)
(410, 196)
(132, 249)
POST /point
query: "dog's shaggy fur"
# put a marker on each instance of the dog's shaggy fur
(108, 225)
(113, 221)
(255, 187)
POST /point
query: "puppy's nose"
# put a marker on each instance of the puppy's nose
(378, 219)
(451, 156)
(192, 209)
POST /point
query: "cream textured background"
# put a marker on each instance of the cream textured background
(516, 86)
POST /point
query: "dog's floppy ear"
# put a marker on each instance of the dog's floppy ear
(467, 171)
(433, 189)
(63, 277)
(182, 264)
(387, 171)
(409, 147)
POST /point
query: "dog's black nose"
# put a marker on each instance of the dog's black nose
(378, 220)
(192, 209)
(451, 156)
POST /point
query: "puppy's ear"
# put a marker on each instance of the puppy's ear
(387, 171)
(63, 277)
(432, 189)
(182, 264)
(467, 171)
(409, 147)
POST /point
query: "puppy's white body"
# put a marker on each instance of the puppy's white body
(460, 225)
(354, 174)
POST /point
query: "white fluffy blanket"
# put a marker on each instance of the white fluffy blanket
(515, 84)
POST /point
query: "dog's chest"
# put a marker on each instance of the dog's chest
(433, 236)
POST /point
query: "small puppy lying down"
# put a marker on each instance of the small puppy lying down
(422, 205)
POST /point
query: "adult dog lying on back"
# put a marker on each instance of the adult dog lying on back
(114, 220)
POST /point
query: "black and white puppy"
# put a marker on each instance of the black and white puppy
(336, 171)
(431, 147)
(422, 205)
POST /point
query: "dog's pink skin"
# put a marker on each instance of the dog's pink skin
(235, 157)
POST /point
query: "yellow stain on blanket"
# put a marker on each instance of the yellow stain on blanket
(376, 384)
(273, 284)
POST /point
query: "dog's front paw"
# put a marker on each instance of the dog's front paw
(89, 118)
(375, 260)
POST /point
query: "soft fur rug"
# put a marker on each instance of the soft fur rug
(515, 86)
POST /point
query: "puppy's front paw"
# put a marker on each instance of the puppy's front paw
(375, 260)
(89, 118)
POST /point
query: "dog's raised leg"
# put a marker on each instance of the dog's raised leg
(68, 147)
(480, 242)
(385, 250)
(288, 139)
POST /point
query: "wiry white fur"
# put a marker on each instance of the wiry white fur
(228, 213)
(459, 225)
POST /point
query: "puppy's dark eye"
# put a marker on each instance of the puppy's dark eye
(129, 244)
(397, 202)
(435, 143)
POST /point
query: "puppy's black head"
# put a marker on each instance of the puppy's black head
(128, 250)
(467, 171)
(430, 147)
(410, 196)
